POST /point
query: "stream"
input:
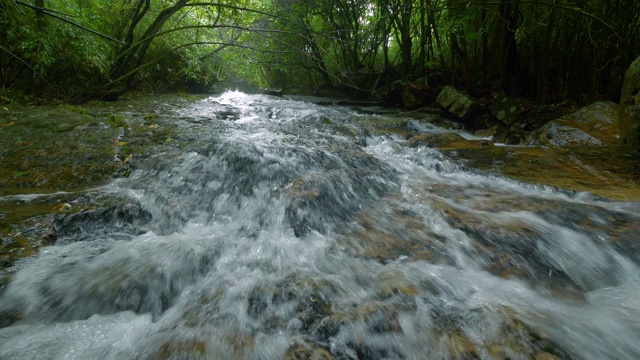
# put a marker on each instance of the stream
(288, 229)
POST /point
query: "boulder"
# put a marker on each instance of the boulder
(273, 92)
(412, 98)
(506, 109)
(590, 126)
(630, 107)
(457, 103)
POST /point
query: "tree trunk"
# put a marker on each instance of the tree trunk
(405, 37)
(134, 55)
(509, 74)
(40, 16)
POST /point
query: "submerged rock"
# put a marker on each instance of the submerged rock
(590, 126)
(630, 107)
(127, 218)
(305, 351)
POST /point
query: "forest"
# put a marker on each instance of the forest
(545, 50)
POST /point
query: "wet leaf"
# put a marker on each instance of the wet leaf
(16, 174)
(61, 207)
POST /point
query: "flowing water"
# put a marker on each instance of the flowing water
(284, 229)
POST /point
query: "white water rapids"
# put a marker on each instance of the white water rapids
(285, 229)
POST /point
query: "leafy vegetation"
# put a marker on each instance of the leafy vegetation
(544, 49)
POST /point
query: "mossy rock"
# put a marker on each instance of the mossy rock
(592, 125)
(457, 103)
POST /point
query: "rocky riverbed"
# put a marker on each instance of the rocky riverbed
(248, 226)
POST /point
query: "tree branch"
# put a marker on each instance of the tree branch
(48, 12)
(29, 66)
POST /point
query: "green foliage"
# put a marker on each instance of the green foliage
(150, 117)
(76, 109)
(16, 174)
(116, 121)
(545, 47)
(13, 96)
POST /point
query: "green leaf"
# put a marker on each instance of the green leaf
(16, 174)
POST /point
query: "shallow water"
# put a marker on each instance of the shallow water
(285, 229)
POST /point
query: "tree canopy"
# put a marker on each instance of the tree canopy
(539, 49)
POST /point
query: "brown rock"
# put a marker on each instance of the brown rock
(592, 125)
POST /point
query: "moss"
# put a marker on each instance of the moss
(15, 247)
(116, 121)
(76, 109)
(150, 117)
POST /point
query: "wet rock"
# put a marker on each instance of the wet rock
(461, 348)
(543, 355)
(329, 327)
(457, 103)
(510, 338)
(489, 132)
(589, 126)
(313, 298)
(394, 283)
(49, 238)
(388, 235)
(256, 304)
(364, 349)
(306, 351)
(204, 309)
(227, 112)
(447, 141)
(413, 97)
(127, 218)
(553, 134)
(273, 92)
(516, 235)
(383, 321)
(385, 124)
(180, 349)
(630, 107)
(307, 300)
(24, 240)
(604, 170)
(9, 317)
(321, 201)
(121, 280)
(506, 109)
(312, 310)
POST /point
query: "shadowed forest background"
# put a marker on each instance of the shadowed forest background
(546, 50)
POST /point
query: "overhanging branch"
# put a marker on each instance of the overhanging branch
(49, 12)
